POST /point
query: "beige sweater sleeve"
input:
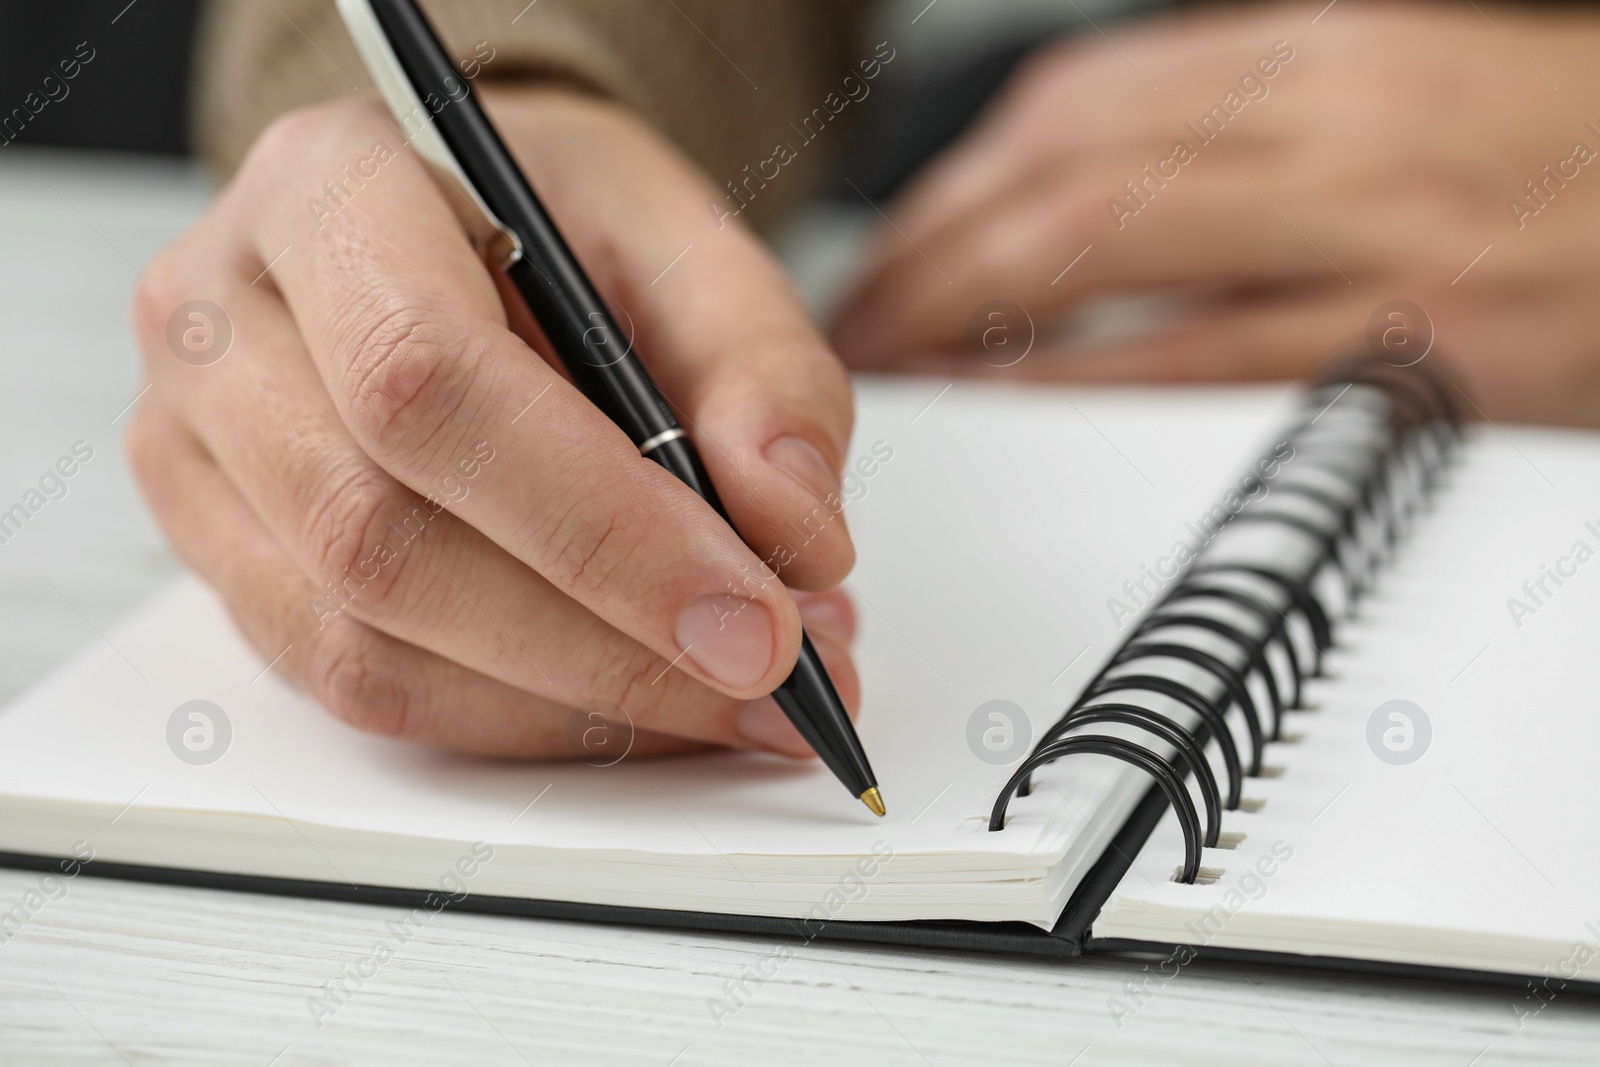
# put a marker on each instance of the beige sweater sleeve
(722, 78)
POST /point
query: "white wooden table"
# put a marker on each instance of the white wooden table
(117, 972)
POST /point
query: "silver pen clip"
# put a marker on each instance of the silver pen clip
(415, 120)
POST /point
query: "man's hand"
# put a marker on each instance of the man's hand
(1332, 160)
(444, 540)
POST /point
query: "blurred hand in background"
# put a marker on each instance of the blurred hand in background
(1289, 173)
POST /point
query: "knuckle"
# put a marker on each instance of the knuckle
(146, 451)
(638, 681)
(1077, 215)
(147, 308)
(346, 532)
(581, 554)
(1447, 202)
(292, 137)
(296, 145)
(351, 672)
(406, 379)
(992, 254)
(167, 285)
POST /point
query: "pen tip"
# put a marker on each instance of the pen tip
(874, 801)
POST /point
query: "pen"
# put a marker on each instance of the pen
(443, 121)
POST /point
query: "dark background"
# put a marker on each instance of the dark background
(133, 95)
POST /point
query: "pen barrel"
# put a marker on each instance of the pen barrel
(577, 323)
(811, 702)
(598, 355)
(585, 337)
(808, 696)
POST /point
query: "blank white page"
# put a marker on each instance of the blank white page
(990, 540)
(1484, 853)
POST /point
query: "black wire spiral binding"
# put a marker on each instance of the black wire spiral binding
(1364, 475)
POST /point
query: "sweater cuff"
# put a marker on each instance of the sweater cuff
(724, 79)
(257, 61)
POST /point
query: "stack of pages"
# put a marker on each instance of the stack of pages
(1009, 541)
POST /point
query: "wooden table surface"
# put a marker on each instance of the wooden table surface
(115, 972)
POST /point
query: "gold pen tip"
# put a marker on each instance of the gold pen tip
(874, 800)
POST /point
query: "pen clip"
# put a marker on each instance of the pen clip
(415, 120)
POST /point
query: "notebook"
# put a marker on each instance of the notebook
(1341, 741)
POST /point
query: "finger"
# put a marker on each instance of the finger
(1008, 218)
(406, 329)
(828, 613)
(1108, 91)
(368, 679)
(1270, 340)
(1066, 235)
(398, 561)
(726, 336)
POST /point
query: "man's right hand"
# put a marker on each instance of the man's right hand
(442, 538)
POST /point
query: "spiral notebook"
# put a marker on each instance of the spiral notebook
(1324, 659)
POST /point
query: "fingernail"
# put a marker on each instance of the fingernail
(824, 615)
(729, 638)
(800, 458)
(764, 724)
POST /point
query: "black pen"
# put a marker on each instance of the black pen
(435, 105)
